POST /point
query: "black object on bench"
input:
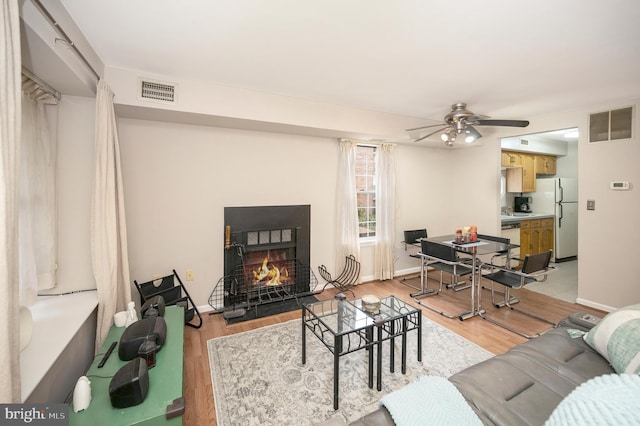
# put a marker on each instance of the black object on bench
(174, 293)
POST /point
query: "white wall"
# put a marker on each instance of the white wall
(175, 187)
(608, 235)
(178, 179)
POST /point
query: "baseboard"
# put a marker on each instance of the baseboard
(407, 271)
(595, 305)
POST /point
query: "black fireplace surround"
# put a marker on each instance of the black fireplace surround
(266, 255)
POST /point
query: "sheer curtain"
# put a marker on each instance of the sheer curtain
(385, 212)
(347, 233)
(10, 114)
(37, 194)
(109, 252)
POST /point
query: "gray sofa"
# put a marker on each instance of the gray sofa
(524, 385)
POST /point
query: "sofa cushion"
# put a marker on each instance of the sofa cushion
(617, 339)
(568, 356)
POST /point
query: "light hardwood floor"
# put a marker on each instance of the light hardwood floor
(198, 391)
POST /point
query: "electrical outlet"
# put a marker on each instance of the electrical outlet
(189, 275)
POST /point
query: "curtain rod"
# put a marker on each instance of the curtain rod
(40, 82)
(65, 37)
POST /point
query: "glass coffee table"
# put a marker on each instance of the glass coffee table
(344, 326)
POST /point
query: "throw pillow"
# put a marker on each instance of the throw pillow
(617, 339)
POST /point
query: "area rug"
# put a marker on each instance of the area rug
(259, 379)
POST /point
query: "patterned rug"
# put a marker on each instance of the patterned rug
(259, 379)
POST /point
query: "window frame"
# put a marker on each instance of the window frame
(370, 189)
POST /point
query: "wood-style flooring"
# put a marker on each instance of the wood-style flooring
(198, 391)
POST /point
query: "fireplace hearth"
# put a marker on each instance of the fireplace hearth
(266, 258)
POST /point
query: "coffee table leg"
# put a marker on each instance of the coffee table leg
(304, 339)
(379, 372)
(420, 336)
(392, 358)
(404, 345)
(336, 367)
(370, 339)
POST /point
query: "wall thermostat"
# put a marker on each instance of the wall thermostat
(619, 186)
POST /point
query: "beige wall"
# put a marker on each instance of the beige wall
(176, 180)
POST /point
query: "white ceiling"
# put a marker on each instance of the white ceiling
(505, 58)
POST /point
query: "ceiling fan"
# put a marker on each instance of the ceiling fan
(460, 122)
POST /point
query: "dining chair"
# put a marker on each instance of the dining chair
(535, 268)
(412, 237)
(443, 258)
(498, 259)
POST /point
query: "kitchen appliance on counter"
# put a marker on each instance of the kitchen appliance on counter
(559, 196)
(522, 204)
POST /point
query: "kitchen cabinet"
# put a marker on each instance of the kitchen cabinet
(521, 174)
(545, 164)
(523, 167)
(511, 159)
(528, 173)
(536, 236)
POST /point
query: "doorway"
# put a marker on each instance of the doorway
(563, 145)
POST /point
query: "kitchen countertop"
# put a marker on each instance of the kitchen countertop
(524, 216)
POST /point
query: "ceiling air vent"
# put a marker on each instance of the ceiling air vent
(157, 91)
(611, 125)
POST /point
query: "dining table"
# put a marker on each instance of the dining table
(482, 246)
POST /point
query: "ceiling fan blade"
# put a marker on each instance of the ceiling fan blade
(507, 123)
(431, 134)
(424, 127)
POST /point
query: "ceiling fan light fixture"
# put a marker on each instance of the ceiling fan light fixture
(471, 134)
(444, 137)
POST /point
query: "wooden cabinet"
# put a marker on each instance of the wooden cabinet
(511, 159)
(545, 164)
(528, 173)
(521, 174)
(523, 167)
(536, 236)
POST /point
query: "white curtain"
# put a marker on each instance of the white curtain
(347, 234)
(385, 213)
(37, 200)
(10, 115)
(109, 252)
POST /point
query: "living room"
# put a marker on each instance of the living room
(227, 146)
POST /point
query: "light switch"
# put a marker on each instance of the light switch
(591, 204)
(189, 275)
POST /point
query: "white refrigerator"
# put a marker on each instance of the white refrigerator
(559, 196)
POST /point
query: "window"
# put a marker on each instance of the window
(366, 190)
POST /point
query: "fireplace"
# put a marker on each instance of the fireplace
(266, 257)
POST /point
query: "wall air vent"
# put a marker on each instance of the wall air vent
(157, 91)
(524, 142)
(611, 125)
